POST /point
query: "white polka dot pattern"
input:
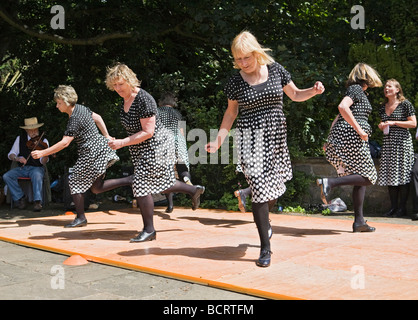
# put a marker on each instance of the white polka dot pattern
(397, 157)
(170, 118)
(263, 155)
(153, 159)
(94, 154)
(346, 151)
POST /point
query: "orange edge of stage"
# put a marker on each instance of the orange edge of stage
(177, 276)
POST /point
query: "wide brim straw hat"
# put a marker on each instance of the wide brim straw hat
(31, 123)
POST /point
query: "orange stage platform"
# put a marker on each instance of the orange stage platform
(314, 258)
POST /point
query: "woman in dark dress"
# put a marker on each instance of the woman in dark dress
(151, 147)
(171, 119)
(348, 147)
(397, 116)
(94, 154)
(256, 93)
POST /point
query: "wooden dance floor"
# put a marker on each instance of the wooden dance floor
(314, 258)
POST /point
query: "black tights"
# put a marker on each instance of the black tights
(261, 219)
(359, 191)
(99, 186)
(146, 203)
(184, 175)
(401, 193)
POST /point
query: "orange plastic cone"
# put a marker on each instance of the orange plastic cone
(75, 260)
(69, 212)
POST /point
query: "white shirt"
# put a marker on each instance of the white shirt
(15, 148)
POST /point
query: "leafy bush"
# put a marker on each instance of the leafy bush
(184, 47)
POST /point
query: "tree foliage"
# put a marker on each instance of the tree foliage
(183, 46)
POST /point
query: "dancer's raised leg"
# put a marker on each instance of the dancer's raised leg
(195, 191)
(327, 184)
(101, 185)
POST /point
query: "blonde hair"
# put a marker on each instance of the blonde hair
(118, 71)
(246, 43)
(66, 94)
(397, 85)
(363, 74)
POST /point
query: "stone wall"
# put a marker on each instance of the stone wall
(377, 197)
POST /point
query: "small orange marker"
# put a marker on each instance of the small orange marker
(75, 260)
(69, 213)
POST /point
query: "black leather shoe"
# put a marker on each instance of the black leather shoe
(264, 259)
(363, 228)
(414, 217)
(241, 200)
(196, 197)
(145, 236)
(169, 209)
(390, 213)
(76, 223)
(400, 213)
(325, 189)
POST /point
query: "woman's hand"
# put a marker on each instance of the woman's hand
(37, 154)
(212, 147)
(115, 144)
(383, 125)
(318, 87)
(363, 135)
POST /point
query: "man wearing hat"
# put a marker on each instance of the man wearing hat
(28, 167)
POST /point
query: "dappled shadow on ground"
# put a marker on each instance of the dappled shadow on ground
(220, 253)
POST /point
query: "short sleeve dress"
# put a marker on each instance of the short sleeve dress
(154, 158)
(261, 133)
(171, 119)
(346, 151)
(94, 154)
(397, 157)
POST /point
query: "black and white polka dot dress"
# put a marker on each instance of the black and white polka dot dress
(260, 134)
(346, 151)
(171, 119)
(94, 154)
(153, 159)
(397, 157)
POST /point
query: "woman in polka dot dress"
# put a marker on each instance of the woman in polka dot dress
(171, 118)
(94, 154)
(256, 93)
(397, 116)
(151, 147)
(348, 147)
